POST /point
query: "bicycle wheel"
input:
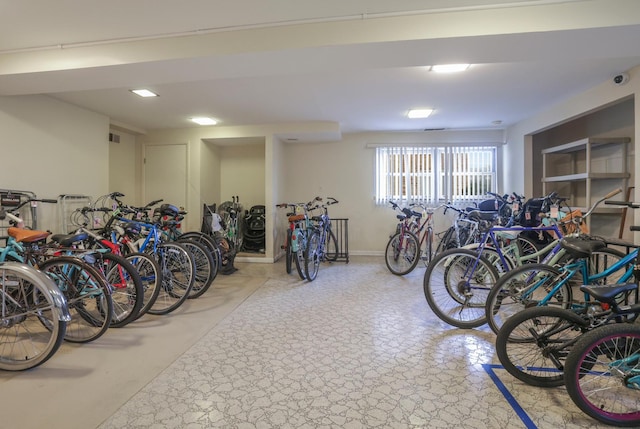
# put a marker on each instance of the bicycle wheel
(533, 344)
(331, 246)
(312, 255)
(210, 243)
(402, 253)
(31, 325)
(299, 254)
(601, 374)
(528, 247)
(204, 267)
(428, 248)
(448, 241)
(151, 276)
(525, 287)
(88, 297)
(456, 285)
(178, 275)
(288, 253)
(127, 292)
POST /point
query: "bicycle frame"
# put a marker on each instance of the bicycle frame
(582, 266)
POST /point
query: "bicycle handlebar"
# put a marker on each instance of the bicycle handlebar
(609, 195)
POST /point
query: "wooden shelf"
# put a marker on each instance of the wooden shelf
(570, 166)
(584, 176)
(579, 145)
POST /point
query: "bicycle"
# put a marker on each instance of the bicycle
(130, 300)
(457, 283)
(233, 231)
(322, 244)
(405, 247)
(297, 221)
(169, 218)
(539, 284)
(534, 344)
(87, 293)
(175, 261)
(33, 317)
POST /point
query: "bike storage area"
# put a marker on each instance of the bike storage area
(560, 300)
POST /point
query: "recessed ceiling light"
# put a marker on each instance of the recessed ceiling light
(449, 68)
(419, 113)
(204, 121)
(144, 92)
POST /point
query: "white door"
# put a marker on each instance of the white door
(165, 174)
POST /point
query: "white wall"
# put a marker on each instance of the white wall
(124, 171)
(52, 148)
(345, 170)
(242, 173)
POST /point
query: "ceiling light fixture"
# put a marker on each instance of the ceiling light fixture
(419, 113)
(204, 121)
(144, 92)
(449, 68)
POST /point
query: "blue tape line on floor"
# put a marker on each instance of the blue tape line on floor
(489, 368)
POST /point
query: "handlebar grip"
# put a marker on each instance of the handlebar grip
(48, 200)
(117, 194)
(612, 193)
(153, 203)
(623, 203)
(634, 228)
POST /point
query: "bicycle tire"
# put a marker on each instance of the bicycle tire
(204, 273)
(456, 291)
(178, 275)
(331, 246)
(299, 254)
(88, 297)
(210, 243)
(312, 255)
(448, 241)
(288, 253)
(151, 276)
(528, 247)
(524, 287)
(402, 253)
(532, 358)
(428, 248)
(32, 329)
(598, 369)
(127, 292)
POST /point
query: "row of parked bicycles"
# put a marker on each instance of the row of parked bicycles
(561, 302)
(309, 238)
(122, 263)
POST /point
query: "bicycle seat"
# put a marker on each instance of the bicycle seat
(608, 294)
(68, 239)
(581, 248)
(482, 215)
(27, 235)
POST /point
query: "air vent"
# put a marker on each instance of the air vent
(114, 138)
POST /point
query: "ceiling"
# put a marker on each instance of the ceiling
(361, 64)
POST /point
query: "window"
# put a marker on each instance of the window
(435, 174)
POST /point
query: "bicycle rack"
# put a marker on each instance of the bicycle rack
(12, 198)
(340, 228)
(67, 204)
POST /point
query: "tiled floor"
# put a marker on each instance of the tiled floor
(356, 348)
